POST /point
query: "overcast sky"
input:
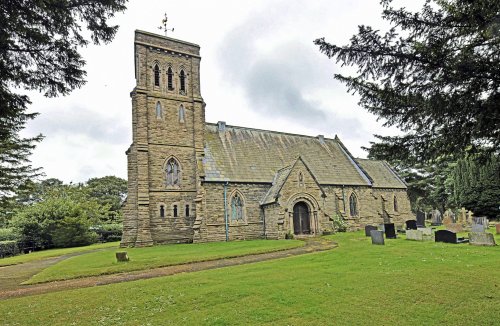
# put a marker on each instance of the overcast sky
(259, 69)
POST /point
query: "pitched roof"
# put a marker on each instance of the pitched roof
(382, 174)
(254, 155)
(278, 182)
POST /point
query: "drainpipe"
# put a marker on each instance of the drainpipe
(264, 220)
(225, 211)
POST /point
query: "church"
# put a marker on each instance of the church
(194, 181)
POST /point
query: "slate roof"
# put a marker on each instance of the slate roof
(240, 154)
(278, 182)
(382, 174)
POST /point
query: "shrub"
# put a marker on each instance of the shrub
(72, 232)
(109, 232)
(339, 224)
(7, 234)
(8, 248)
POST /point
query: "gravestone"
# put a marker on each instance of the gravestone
(377, 237)
(448, 237)
(498, 228)
(454, 227)
(447, 220)
(411, 225)
(121, 256)
(481, 220)
(436, 218)
(478, 228)
(462, 216)
(420, 219)
(368, 228)
(381, 227)
(390, 231)
(449, 215)
(427, 234)
(481, 239)
(414, 235)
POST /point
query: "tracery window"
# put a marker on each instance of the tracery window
(353, 205)
(182, 79)
(170, 77)
(159, 113)
(236, 208)
(157, 75)
(181, 114)
(172, 172)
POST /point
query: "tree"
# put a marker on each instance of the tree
(435, 74)
(39, 42)
(110, 191)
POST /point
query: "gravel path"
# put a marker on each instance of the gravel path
(312, 245)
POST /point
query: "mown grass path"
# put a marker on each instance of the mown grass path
(312, 245)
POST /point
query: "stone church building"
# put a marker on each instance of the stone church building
(193, 181)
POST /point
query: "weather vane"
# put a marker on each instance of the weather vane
(164, 27)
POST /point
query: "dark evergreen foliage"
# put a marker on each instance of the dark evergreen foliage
(39, 42)
(435, 74)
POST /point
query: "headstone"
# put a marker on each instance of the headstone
(390, 231)
(427, 234)
(478, 228)
(411, 225)
(368, 228)
(469, 217)
(462, 216)
(481, 220)
(454, 227)
(449, 215)
(498, 228)
(414, 235)
(420, 219)
(436, 218)
(448, 237)
(481, 239)
(447, 220)
(121, 256)
(381, 227)
(377, 237)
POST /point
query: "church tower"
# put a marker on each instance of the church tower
(164, 160)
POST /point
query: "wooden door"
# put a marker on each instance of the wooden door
(301, 220)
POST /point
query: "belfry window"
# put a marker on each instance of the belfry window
(182, 79)
(172, 173)
(181, 114)
(157, 75)
(353, 205)
(170, 77)
(236, 208)
(159, 113)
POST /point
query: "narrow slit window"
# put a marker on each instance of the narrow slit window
(182, 79)
(187, 210)
(157, 75)
(395, 204)
(159, 112)
(353, 205)
(175, 211)
(162, 211)
(170, 77)
(181, 114)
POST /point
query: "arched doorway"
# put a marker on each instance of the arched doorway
(301, 219)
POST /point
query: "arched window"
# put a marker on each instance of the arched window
(157, 75)
(187, 210)
(181, 114)
(395, 203)
(236, 208)
(353, 205)
(162, 211)
(182, 79)
(170, 77)
(159, 113)
(175, 211)
(172, 173)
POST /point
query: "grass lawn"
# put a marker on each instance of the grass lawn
(401, 283)
(104, 262)
(37, 255)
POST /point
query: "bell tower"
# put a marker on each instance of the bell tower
(164, 159)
